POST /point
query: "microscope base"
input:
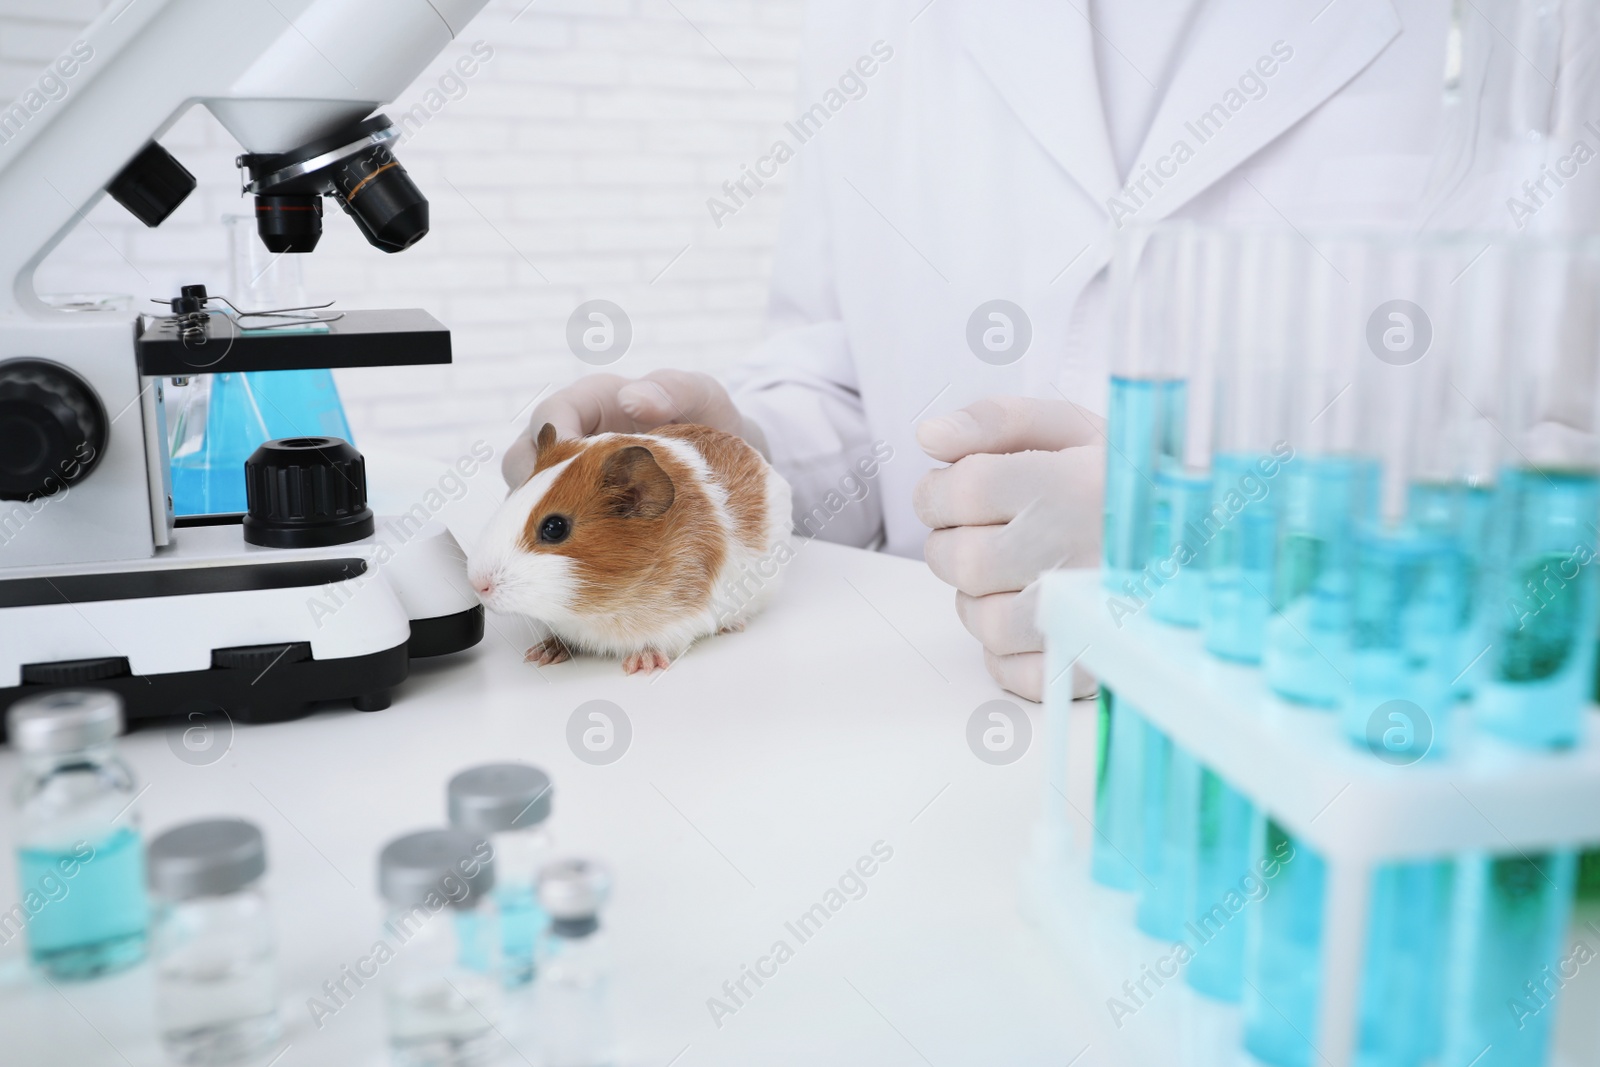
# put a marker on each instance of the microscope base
(259, 635)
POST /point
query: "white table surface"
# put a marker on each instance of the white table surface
(762, 766)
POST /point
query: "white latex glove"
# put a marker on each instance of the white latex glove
(1022, 495)
(610, 403)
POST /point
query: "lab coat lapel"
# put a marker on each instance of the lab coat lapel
(1186, 151)
(1040, 57)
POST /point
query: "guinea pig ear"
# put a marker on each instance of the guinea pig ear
(635, 484)
(546, 438)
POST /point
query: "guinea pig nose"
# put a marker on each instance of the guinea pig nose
(484, 584)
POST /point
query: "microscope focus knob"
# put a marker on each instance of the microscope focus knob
(53, 429)
(306, 492)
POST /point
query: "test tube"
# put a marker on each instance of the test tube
(1251, 445)
(1283, 955)
(1509, 930)
(1331, 485)
(1183, 486)
(1145, 434)
(1542, 542)
(1118, 793)
(1145, 425)
(1409, 577)
(1222, 854)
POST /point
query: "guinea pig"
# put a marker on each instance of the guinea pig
(636, 545)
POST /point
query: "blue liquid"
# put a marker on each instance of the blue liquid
(1406, 642)
(1284, 966)
(1539, 614)
(1221, 860)
(1403, 977)
(245, 410)
(1178, 546)
(97, 924)
(1118, 818)
(1145, 433)
(522, 921)
(1171, 789)
(1243, 536)
(1460, 513)
(1511, 924)
(1322, 502)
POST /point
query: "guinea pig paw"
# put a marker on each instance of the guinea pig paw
(646, 660)
(550, 650)
(733, 628)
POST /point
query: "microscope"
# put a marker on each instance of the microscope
(308, 597)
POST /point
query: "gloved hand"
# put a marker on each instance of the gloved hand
(610, 403)
(1022, 495)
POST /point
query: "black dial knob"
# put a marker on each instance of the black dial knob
(53, 429)
(306, 492)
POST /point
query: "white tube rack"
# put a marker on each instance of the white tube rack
(1296, 764)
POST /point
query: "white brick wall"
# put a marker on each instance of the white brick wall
(586, 146)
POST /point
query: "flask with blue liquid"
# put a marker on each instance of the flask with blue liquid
(215, 421)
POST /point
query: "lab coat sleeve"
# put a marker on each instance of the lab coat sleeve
(800, 385)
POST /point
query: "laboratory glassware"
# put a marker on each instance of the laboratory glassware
(508, 804)
(212, 942)
(80, 857)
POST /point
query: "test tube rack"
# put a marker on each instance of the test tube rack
(1295, 764)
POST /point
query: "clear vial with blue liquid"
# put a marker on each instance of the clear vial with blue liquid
(442, 987)
(1179, 545)
(80, 856)
(509, 803)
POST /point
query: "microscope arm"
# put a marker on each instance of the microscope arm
(276, 73)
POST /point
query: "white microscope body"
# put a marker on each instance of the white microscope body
(99, 584)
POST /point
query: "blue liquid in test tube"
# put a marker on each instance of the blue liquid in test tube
(1402, 998)
(1145, 432)
(1406, 642)
(1178, 546)
(1239, 563)
(1118, 792)
(1171, 790)
(1221, 856)
(1542, 549)
(1510, 933)
(1284, 962)
(1322, 500)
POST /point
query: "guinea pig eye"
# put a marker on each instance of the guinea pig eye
(554, 530)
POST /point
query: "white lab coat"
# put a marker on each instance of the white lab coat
(976, 165)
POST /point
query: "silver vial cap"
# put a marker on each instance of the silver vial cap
(449, 865)
(64, 720)
(208, 858)
(573, 889)
(497, 797)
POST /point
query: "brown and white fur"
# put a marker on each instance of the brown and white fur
(661, 526)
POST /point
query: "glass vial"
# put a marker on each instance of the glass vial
(443, 994)
(574, 1013)
(80, 859)
(508, 803)
(212, 942)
